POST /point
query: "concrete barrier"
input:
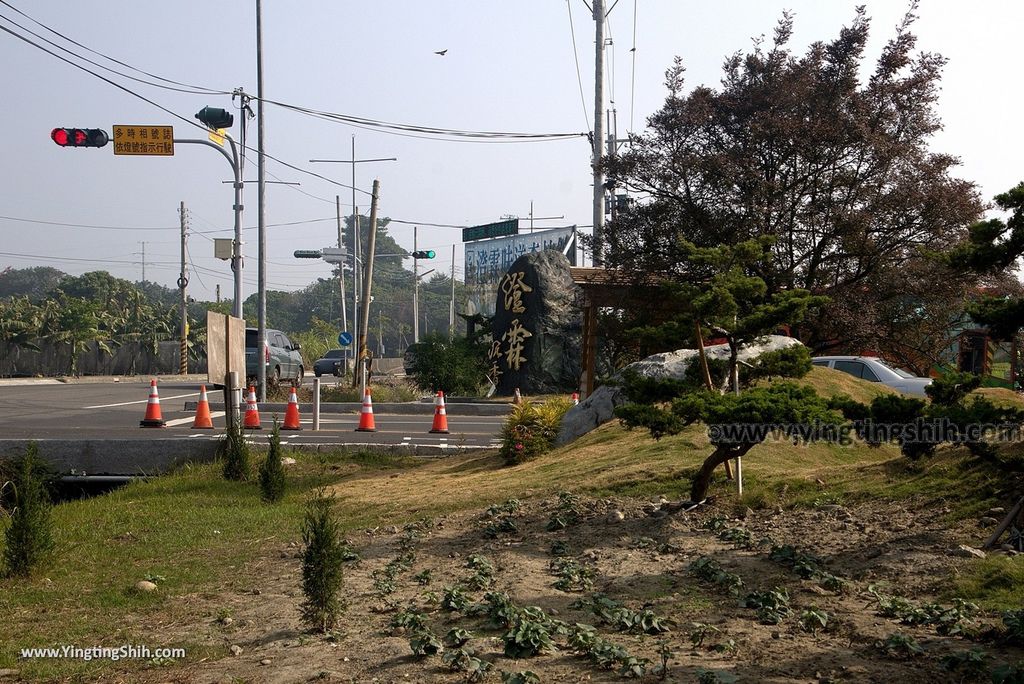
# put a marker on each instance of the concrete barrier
(114, 456)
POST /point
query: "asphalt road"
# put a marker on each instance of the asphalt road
(105, 409)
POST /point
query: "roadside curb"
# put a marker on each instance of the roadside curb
(152, 457)
(411, 408)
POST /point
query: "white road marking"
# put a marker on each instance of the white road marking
(144, 401)
(183, 421)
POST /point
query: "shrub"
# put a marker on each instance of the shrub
(30, 534)
(234, 453)
(272, 479)
(321, 563)
(531, 429)
(455, 366)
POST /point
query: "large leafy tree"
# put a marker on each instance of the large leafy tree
(834, 166)
(32, 282)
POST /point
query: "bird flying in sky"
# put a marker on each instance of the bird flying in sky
(441, 52)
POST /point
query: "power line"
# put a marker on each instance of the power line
(456, 134)
(576, 57)
(185, 88)
(81, 225)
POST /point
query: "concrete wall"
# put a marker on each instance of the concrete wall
(128, 359)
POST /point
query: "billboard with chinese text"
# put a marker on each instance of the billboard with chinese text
(488, 260)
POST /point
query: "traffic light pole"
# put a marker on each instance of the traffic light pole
(236, 253)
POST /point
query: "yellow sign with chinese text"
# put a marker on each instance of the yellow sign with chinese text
(144, 140)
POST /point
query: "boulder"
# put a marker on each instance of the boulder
(599, 407)
(536, 326)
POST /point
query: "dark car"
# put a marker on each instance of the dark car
(330, 362)
(282, 358)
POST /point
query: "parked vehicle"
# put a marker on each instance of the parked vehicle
(330, 362)
(875, 369)
(282, 358)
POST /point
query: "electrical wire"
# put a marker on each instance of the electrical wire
(193, 90)
(81, 225)
(429, 132)
(576, 56)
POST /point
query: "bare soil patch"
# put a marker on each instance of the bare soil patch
(641, 561)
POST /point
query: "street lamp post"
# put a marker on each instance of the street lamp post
(236, 252)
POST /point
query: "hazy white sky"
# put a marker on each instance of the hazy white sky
(509, 67)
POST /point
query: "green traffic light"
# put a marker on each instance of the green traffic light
(215, 118)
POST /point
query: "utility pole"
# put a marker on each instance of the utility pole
(451, 311)
(261, 368)
(218, 293)
(612, 138)
(143, 261)
(598, 140)
(371, 245)
(415, 289)
(183, 285)
(341, 281)
(356, 242)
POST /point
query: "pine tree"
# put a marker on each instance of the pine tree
(30, 535)
(234, 453)
(272, 478)
(321, 564)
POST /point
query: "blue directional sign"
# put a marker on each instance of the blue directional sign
(344, 338)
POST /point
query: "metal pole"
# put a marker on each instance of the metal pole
(451, 313)
(261, 368)
(598, 141)
(356, 256)
(316, 403)
(415, 289)
(237, 263)
(182, 285)
(341, 281)
(364, 322)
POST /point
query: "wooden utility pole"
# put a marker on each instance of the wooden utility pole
(341, 282)
(183, 285)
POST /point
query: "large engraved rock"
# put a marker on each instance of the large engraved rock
(600, 406)
(536, 327)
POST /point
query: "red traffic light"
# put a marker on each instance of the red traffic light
(79, 137)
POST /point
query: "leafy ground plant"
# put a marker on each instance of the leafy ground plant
(899, 646)
(813, 619)
(967, 664)
(772, 605)
(709, 570)
(572, 575)
(527, 637)
(425, 643)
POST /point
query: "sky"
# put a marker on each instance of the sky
(524, 67)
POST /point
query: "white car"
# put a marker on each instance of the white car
(876, 370)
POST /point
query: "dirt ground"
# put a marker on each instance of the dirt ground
(640, 560)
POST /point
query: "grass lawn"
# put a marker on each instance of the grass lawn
(193, 532)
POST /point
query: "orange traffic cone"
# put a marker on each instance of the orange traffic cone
(366, 416)
(575, 398)
(440, 416)
(203, 420)
(291, 414)
(252, 413)
(153, 416)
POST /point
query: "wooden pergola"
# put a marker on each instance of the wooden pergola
(605, 288)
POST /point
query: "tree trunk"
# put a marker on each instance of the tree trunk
(721, 454)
